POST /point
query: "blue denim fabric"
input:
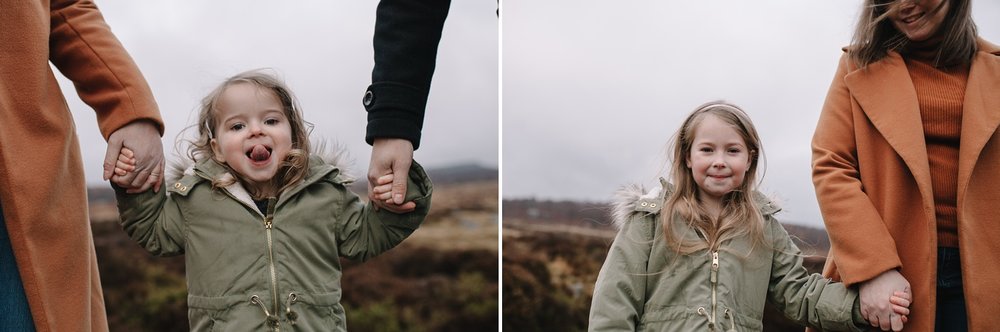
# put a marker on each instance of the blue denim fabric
(951, 314)
(14, 312)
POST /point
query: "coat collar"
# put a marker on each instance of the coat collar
(885, 92)
(209, 169)
(326, 162)
(886, 95)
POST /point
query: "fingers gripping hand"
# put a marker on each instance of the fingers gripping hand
(143, 139)
(390, 156)
(124, 165)
(381, 195)
(875, 300)
(901, 309)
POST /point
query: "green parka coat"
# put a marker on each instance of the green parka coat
(644, 286)
(251, 270)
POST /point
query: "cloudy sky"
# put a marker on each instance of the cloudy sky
(323, 49)
(592, 91)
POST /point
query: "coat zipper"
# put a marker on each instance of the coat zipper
(268, 221)
(714, 279)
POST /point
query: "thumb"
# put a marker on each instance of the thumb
(111, 156)
(400, 172)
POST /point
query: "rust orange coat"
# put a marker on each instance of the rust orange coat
(42, 187)
(873, 183)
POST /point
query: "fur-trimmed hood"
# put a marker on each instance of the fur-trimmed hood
(634, 198)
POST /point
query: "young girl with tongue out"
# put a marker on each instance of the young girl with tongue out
(261, 221)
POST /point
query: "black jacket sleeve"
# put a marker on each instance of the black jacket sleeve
(407, 33)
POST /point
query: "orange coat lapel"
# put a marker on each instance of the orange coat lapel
(981, 113)
(885, 93)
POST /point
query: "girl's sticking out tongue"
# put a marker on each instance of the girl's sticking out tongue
(259, 153)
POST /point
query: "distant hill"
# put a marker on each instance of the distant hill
(456, 174)
(597, 215)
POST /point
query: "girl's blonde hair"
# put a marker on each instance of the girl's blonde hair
(740, 215)
(875, 35)
(293, 169)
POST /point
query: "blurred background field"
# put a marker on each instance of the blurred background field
(444, 277)
(553, 251)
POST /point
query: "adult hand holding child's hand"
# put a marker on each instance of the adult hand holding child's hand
(143, 138)
(876, 305)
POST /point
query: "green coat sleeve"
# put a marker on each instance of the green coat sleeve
(620, 292)
(362, 232)
(153, 220)
(809, 298)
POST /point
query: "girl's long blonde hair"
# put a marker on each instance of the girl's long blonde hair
(740, 215)
(875, 35)
(293, 169)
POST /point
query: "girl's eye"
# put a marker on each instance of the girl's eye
(237, 126)
(735, 150)
(271, 122)
(706, 149)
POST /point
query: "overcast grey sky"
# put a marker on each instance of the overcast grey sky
(593, 90)
(323, 49)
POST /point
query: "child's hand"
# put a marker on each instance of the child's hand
(900, 306)
(901, 303)
(125, 164)
(382, 191)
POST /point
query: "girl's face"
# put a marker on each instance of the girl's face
(719, 159)
(919, 20)
(253, 135)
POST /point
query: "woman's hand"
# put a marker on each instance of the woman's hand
(875, 300)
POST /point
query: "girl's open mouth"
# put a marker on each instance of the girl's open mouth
(259, 154)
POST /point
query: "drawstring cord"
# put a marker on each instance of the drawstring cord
(732, 321)
(711, 322)
(271, 321)
(289, 313)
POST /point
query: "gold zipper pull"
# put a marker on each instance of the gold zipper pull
(715, 266)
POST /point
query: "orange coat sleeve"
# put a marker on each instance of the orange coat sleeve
(85, 51)
(861, 245)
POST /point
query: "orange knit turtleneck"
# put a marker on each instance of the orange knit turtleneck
(940, 93)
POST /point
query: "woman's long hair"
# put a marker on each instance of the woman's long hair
(740, 215)
(875, 36)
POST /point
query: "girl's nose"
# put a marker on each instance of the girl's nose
(255, 128)
(718, 163)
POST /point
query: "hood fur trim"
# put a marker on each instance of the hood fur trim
(626, 201)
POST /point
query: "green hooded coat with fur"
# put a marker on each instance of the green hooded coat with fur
(252, 270)
(644, 286)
